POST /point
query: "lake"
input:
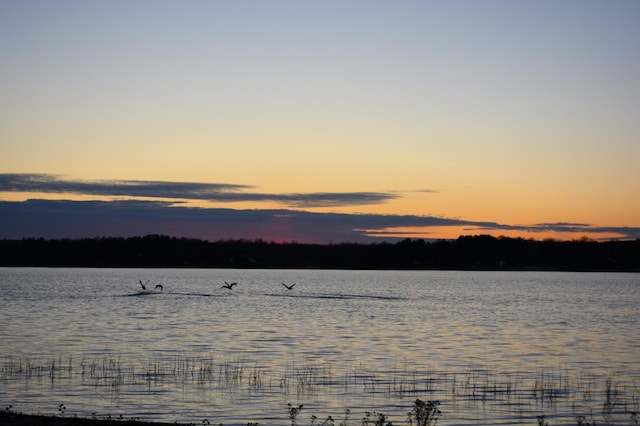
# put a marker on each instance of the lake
(491, 347)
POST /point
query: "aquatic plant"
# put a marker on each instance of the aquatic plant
(569, 393)
(308, 378)
(293, 412)
(581, 421)
(611, 394)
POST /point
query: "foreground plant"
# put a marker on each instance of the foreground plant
(293, 413)
(424, 413)
(379, 419)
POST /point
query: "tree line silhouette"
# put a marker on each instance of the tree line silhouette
(466, 252)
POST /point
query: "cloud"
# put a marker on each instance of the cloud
(76, 219)
(158, 207)
(122, 218)
(218, 192)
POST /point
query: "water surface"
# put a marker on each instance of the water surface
(492, 347)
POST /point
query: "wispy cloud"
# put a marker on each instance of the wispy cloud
(48, 183)
(217, 192)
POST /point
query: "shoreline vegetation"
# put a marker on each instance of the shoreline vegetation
(423, 414)
(479, 252)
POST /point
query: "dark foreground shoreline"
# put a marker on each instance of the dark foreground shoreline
(19, 419)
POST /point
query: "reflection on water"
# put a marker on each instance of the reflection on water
(492, 347)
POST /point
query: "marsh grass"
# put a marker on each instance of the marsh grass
(584, 395)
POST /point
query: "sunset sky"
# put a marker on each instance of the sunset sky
(320, 121)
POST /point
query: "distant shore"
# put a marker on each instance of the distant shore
(475, 253)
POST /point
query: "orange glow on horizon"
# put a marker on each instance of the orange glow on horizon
(453, 232)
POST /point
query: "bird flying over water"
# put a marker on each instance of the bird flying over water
(289, 287)
(228, 286)
(143, 287)
(159, 286)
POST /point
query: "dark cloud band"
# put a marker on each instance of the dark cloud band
(81, 219)
(217, 192)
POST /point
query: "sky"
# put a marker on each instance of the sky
(320, 121)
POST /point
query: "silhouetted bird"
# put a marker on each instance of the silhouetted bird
(228, 286)
(289, 287)
(159, 286)
(143, 287)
